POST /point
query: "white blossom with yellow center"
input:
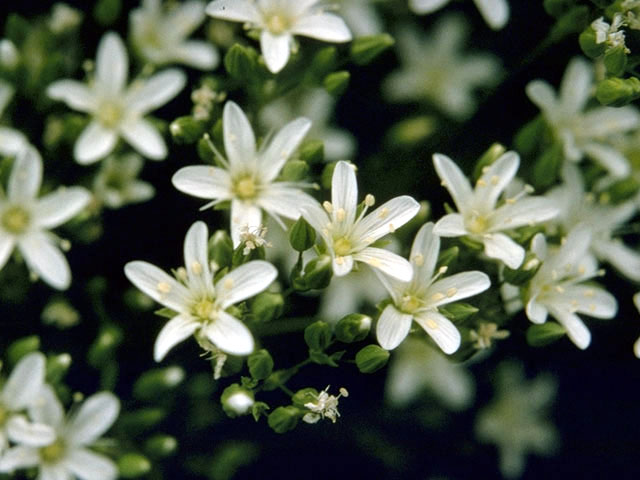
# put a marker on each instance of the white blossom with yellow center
(494, 12)
(479, 217)
(420, 298)
(200, 305)
(348, 234)
(278, 22)
(117, 110)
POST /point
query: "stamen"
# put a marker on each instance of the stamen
(327, 206)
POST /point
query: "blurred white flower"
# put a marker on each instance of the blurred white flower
(67, 454)
(26, 219)
(200, 305)
(480, 218)
(64, 18)
(435, 70)
(584, 131)
(160, 34)
(610, 33)
(324, 406)
(516, 421)
(9, 54)
(12, 141)
(278, 22)
(361, 16)
(117, 110)
(116, 184)
(636, 345)
(494, 12)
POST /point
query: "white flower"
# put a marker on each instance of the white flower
(117, 110)
(11, 140)
(494, 12)
(348, 238)
(557, 288)
(26, 219)
(324, 406)
(117, 184)
(67, 454)
(516, 421)
(160, 34)
(279, 21)
(603, 220)
(64, 18)
(436, 71)
(9, 54)
(17, 394)
(249, 176)
(479, 217)
(631, 9)
(636, 345)
(199, 303)
(610, 33)
(584, 133)
(361, 17)
(420, 298)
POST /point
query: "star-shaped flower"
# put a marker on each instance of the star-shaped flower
(420, 298)
(348, 234)
(199, 303)
(494, 12)
(278, 22)
(26, 219)
(117, 110)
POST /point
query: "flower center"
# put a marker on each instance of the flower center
(410, 303)
(277, 23)
(476, 223)
(342, 246)
(52, 453)
(204, 309)
(246, 188)
(15, 220)
(110, 114)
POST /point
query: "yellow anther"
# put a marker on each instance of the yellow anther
(559, 289)
(383, 212)
(340, 260)
(369, 200)
(374, 262)
(589, 293)
(419, 260)
(341, 215)
(228, 284)
(481, 183)
(431, 324)
(452, 291)
(327, 206)
(443, 269)
(163, 287)
(436, 297)
(495, 179)
(196, 268)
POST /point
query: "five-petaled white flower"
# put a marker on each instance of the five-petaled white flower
(67, 455)
(420, 298)
(557, 288)
(479, 217)
(199, 303)
(494, 12)
(12, 141)
(584, 133)
(160, 35)
(117, 110)
(248, 179)
(348, 235)
(25, 219)
(279, 21)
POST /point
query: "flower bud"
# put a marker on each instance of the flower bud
(137, 421)
(160, 446)
(302, 235)
(365, 49)
(221, 248)
(133, 465)
(547, 167)
(267, 306)
(241, 62)
(522, 275)
(57, 367)
(622, 190)
(318, 336)
(284, 419)
(21, 347)
(294, 171)
(541, 335)
(236, 400)
(106, 12)
(353, 328)
(371, 358)
(260, 364)
(317, 274)
(618, 91)
(324, 61)
(157, 382)
(186, 130)
(9, 55)
(494, 152)
(411, 131)
(615, 60)
(458, 312)
(312, 151)
(588, 43)
(336, 83)
(103, 347)
(448, 257)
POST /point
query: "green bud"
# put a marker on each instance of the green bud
(241, 62)
(447, 257)
(494, 152)
(527, 139)
(541, 335)
(267, 306)
(258, 409)
(371, 358)
(365, 49)
(324, 61)
(317, 274)
(588, 43)
(204, 150)
(133, 465)
(294, 171)
(142, 419)
(459, 311)
(303, 396)
(327, 175)
(236, 400)
(547, 167)
(160, 446)
(353, 328)
(336, 83)
(618, 91)
(302, 235)
(318, 335)
(622, 190)
(221, 248)
(615, 60)
(21, 347)
(411, 131)
(104, 346)
(60, 312)
(260, 364)
(157, 382)
(284, 419)
(57, 367)
(312, 151)
(186, 130)
(106, 12)
(527, 270)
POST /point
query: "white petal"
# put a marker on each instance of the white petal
(317, 217)
(342, 265)
(443, 332)
(280, 149)
(145, 138)
(542, 94)
(239, 141)
(536, 312)
(75, 94)
(12, 142)
(95, 416)
(451, 225)
(284, 201)
(186, 17)
(606, 121)
(387, 262)
(458, 286)
(527, 211)
(276, 50)
(494, 180)
(539, 246)
(25, 177)
(153, 93)
(454, 180)
(45, 259)
(7, 242)
(21, 431)
(575, 327)
(636, 301)
(196, 257)
(176, 330)
(112, 63)
(56, 471)
(426, 6)
(57, 207)
(344, 191)
(591, 301)
(88, 465)
(393, 327)
(19, 457)
(323, 26)
(229, 334)
(245, 281)
(424, 253)
(574, 248)
(386, 218)
(46, 408)
(25, 382)
(203, 182)
(494, 12)
(95, 142)
(197, 54)
(636, 348)
(244, 215)
(234, 10)
(576, 85)
(608, 158)
(501, 247)
(158, 285)
(623, 258)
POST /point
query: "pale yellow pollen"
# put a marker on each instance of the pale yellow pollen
(485, 169)
(581, 269)
(342, 246)
(196, 268)
(181, 273)
(452, 291)
(341, 215)
(495, 179)
(163, 287)
(369, 200)
(510, 201)
(436, 297)
(431, 324)
(327, 206)
(559, 289)
(340, 260)
(392, 228)
(443, 183)
(374, 262)
(589, 293)
(383, 212)
(592, 307)
(232, 137)
(481, 183)
(443, 269)
(419, 260)
(228, 284)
